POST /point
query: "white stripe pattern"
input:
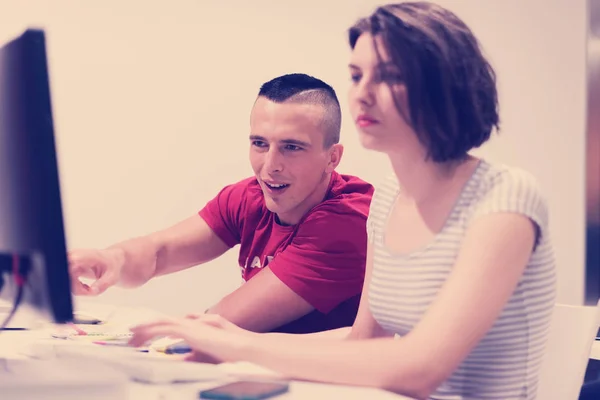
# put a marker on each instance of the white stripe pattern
(505, 364)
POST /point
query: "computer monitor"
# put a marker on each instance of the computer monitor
(592, 271)
(33, 258)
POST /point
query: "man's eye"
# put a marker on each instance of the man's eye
(258, 143)
(355, 78)
(293, 147)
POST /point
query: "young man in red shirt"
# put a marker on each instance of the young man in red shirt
(300, 225)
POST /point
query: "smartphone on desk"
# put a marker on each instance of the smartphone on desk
(245, 390)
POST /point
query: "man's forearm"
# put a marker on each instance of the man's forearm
(138, 259)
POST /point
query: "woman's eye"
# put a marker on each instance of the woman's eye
(392, 77)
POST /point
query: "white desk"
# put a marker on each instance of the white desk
(14, 342)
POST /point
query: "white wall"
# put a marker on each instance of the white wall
(151, 104)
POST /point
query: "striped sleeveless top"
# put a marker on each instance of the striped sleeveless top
(505, 363)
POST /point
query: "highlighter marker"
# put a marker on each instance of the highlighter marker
(77, 329)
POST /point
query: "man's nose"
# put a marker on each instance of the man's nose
(274, 161)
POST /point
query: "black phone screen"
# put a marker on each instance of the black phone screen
(245, 390)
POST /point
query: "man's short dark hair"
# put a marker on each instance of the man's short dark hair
(452, 96)
(305, 89)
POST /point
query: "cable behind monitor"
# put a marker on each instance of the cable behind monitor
(18, 268)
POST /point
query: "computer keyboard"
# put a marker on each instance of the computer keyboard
(151, 367)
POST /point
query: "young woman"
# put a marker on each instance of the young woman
(460, 264)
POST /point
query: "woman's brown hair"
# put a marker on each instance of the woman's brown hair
(452, 95)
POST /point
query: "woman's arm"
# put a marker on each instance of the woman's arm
(493, 256)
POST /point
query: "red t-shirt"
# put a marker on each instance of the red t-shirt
(321, 258)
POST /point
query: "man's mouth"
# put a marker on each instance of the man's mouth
(276, 186)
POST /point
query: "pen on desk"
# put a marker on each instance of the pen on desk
(178, 348)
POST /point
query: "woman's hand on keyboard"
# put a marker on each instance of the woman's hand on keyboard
(211, 337)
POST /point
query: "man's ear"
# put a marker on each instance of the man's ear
(335, 156)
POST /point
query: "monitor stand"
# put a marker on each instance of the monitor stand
(60, 380)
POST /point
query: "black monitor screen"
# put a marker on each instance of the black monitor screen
(32, 240)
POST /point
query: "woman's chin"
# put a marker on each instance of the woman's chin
(371, 142)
